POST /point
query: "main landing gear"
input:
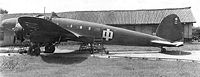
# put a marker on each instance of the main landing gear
(34, 49)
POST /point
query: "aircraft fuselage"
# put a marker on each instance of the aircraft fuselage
(111, 35)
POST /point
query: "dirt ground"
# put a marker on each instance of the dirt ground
(84, 65)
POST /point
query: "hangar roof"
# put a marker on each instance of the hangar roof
(144, 16)
(148, 16)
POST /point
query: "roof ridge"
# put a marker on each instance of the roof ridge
(163, 9)
(130, 10)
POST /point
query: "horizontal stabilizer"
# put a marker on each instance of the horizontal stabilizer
(167, 43)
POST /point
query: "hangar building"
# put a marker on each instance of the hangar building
(145, 20)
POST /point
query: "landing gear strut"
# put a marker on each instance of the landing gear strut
(34, 50)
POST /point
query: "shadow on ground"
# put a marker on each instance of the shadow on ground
(65, 58)
(176, 52)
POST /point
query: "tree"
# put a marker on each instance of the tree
(2, 11)
(196, 34)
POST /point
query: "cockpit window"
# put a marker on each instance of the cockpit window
(1, 35)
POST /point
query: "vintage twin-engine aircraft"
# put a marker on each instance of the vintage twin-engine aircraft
(49, 32)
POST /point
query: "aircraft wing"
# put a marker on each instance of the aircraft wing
(74, 33)
(79, 37)
(41, 28)
(167, 43)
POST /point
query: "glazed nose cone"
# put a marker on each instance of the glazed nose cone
(9, 24)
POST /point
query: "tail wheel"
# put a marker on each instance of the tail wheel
(107, 52)
(49, 48)
(163, 50)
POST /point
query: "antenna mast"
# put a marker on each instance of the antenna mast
(44, 11)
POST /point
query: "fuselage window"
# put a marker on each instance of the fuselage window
(89, 28)
(1, 35)
(71, 25)
(81, 27)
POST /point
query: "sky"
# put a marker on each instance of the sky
(37, 6)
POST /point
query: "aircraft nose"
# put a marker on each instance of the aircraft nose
(13, 26)
(8, 24)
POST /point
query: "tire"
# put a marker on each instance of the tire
(34, 51)
(163, 50)
(107, 52)
(49, 49)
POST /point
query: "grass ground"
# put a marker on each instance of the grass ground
(97, 67)
(62, 65)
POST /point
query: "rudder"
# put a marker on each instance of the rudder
(170, 28)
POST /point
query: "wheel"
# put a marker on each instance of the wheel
(163, 50)
(49, 49)
(34, 50)
(107, 52)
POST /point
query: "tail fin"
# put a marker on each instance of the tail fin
(170, 28)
